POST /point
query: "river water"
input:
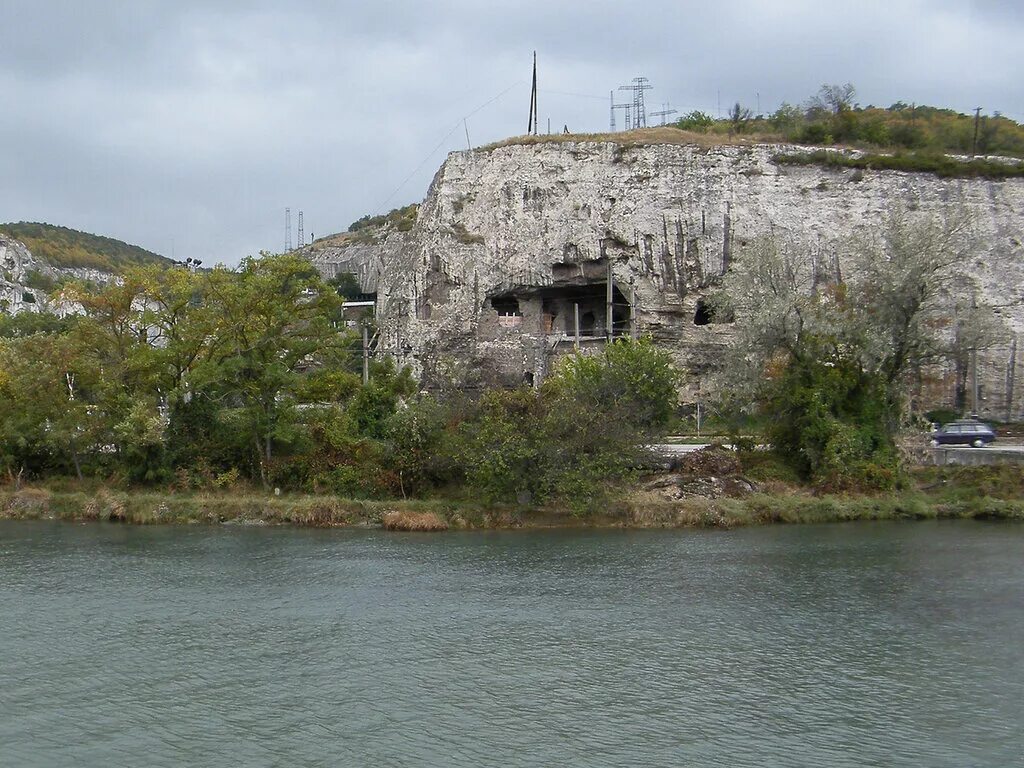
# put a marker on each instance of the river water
(882, 644)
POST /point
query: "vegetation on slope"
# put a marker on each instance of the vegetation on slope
(899, 137)
(833, 117)
(943, 166)
(371, 229)
(64, 247)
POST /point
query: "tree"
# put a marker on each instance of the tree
(275, 321)
(900, 289)
(830, 362)
(975, 328)
(739, 116)
(832, 99)
(585, 428)
(51, 414)
(116, 337)
(180, 323)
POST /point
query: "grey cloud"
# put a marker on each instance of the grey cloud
(201, 120)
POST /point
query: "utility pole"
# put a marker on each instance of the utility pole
(626, 124)
(576, 325)
(610, 299)
(366, 355)
(1011, 371)
(974, 369)
(531, 125)
(634, 332)
(977, 120)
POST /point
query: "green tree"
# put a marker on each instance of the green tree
(581, 433)
(50, 416)
(275, 322)
(829, 363)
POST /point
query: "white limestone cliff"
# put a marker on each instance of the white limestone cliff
(528, 231)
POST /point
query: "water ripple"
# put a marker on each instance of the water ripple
(819, 645)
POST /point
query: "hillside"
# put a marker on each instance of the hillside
(62, 247)
(832, 117)
(371, 229)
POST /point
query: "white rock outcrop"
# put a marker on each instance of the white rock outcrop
(511, 242)
(16, 267)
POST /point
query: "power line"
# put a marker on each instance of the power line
(664, 113)
(454, 128)
(570, 93)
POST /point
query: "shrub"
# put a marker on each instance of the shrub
(828, 421)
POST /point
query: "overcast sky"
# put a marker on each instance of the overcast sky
(188, 127)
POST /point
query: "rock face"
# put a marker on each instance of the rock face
(360, 259)
(513, 248)
(16, 268)
(27, 282)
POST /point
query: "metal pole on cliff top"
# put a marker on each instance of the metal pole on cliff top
(366, 355)
(532, 127)
(576, 324)
(633, 330)
(609, 320)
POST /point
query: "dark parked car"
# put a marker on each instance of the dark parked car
(964, 432)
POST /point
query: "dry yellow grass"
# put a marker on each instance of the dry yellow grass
(641, 137)
(413, 521)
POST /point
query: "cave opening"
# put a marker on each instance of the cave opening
(704, 314)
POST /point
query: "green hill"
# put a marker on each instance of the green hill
(63, 247)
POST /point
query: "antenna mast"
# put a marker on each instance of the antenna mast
(301, 241)
(287, 229)
(531, 126)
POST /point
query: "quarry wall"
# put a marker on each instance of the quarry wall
(513, 243)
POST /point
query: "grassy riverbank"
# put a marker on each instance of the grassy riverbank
(931, 493)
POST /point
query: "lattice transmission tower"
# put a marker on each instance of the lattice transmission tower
(664, 113)
(640, 84)
(626, 112)
(302, 232)
(287, 229)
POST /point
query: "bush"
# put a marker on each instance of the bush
(421, 447)
(941, 416)
(582, 433)
(828, 420)
(696, 121)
